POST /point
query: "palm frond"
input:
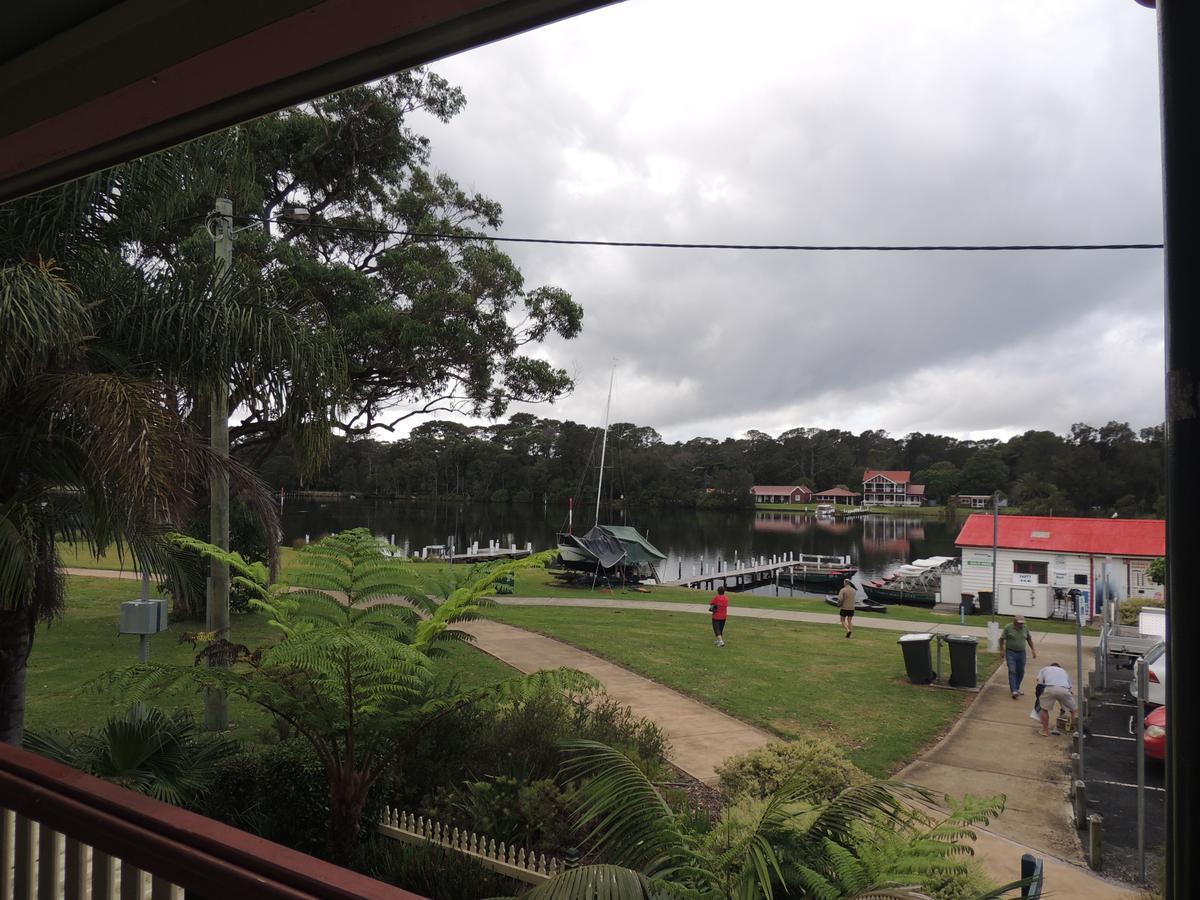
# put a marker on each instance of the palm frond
(596, 883)
(630, 823)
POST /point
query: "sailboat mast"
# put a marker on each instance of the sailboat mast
(604, 443)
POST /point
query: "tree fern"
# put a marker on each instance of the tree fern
(353, 671)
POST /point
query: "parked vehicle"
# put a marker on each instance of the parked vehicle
(1155, 662)
(1156, 734)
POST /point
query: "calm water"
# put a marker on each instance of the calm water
(876, 544)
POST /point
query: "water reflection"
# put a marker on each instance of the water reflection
(876, 544)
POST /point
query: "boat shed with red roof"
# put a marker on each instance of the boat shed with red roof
(1103, 558)
(837, 495)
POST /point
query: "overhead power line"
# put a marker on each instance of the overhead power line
(670, 245)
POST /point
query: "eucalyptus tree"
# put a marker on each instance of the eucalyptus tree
(429, 314)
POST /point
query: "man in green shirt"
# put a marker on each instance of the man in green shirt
(1013, 640)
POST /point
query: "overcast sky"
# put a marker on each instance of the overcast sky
(817, 122)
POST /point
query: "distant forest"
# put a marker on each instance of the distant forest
(1091, 471)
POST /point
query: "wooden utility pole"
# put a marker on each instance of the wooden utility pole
(216, 703)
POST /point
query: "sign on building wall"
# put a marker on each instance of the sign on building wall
(978, 558)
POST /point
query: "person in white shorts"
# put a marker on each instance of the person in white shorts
(1055, 684)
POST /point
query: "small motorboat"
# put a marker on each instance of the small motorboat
(861, 605)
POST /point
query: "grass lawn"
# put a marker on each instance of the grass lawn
(809, 603)
(76, 555)
(535, 582)
(69, 653)
(790, 678)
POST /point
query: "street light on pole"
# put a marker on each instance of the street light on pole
(993, 628)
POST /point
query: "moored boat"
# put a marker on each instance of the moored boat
(861, 605)
(607, 552)
(816, 578)
(918, 583)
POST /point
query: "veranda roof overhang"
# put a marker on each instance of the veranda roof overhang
(87, 84)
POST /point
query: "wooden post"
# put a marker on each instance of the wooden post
(1076, 772)
(1095, 823)
(1080, 804)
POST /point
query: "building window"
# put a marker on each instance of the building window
(1040, 569)
(1081, 579)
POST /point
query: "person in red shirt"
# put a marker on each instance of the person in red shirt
(720, 611)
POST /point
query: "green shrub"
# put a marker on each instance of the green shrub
(759, 773)
(967, 884)
(1134, 605)
(280, 793)
(432, 871)
(494, 770)
(598, 717)
(520, 741)
(534, 814)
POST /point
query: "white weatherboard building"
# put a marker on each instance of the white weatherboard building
(1102, 558)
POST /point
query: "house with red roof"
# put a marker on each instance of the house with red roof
(1104, 559)
(891, 487)
(781, 493)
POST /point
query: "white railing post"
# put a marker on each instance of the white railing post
(76, 871)
(24, 860)
(48, 846)
(6, 853)
(131, 881)
(103, 869)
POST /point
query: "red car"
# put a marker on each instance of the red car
(1156, 734)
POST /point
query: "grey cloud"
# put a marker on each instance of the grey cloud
(880, 123)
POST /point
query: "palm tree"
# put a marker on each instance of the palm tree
(152, 752)
(864, 843)
(83, 454)
(101, 363)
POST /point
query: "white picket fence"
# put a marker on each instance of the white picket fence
(515, 862)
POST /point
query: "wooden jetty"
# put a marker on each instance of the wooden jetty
(743, 573)
(493, 552)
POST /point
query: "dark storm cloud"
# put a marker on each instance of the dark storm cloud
(807, 123)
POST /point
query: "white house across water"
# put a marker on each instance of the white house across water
(1102, 558)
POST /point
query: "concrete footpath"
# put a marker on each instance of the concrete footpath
(995, 748)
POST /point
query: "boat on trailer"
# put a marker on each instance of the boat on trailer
(607, 553)
(918, 583)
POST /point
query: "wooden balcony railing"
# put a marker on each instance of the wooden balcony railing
(67, 834)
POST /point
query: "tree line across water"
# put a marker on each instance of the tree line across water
(528, 458)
